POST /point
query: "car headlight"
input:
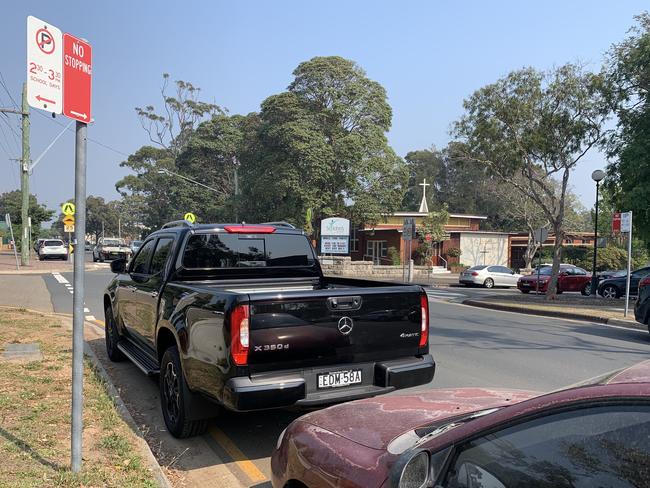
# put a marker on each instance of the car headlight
(415, 473)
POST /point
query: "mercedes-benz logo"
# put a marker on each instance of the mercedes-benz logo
(345, 325)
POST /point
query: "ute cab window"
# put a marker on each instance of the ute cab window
(221, 250)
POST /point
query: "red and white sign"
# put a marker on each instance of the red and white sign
(77, 78)
(44, 66)
(616, 223)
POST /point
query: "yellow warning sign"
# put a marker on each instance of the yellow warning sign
(190, 217)
(68, 208)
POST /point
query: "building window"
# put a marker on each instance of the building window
(354, 240)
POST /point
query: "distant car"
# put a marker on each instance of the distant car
(108, 248)
(615, 287)
(52, 249)
(571, 278)
(135, 245)
(88, 247)
(37, 244)
(593, 434)
(642, 307)
(489, 276)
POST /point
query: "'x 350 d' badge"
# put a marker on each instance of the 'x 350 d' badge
(345, 325)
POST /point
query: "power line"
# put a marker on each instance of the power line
(13, 131)
(4, 85)
(105, 146)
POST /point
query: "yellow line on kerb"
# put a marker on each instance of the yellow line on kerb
(245, 464)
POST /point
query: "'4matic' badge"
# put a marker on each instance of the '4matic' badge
(409, 334)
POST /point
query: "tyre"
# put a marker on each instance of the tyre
(488, 283)
(112, 337)
(94, 258)
(610, 291)
(586, 290)
(525, 292)
(175, 397)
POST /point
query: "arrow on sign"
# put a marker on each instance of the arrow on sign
(42, 99)
(83, 116)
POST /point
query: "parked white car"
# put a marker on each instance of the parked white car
(489, 276)
(52, 249)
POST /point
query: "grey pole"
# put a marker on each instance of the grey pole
(629, 267)
(78, 298)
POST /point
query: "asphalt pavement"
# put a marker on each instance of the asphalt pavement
(472, 347)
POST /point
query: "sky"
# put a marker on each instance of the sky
(429, 55)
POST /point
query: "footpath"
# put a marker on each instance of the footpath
(8, 265)
(568, 306)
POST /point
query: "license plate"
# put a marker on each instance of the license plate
(339, 378)
(525, 283)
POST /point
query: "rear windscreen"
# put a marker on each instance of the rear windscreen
(247, 251)
(53, 243)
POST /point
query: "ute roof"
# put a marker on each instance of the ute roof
(182, 225)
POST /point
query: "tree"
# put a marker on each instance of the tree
(182, 113)
(628, 69)
(432, 231)
(321, 145)
(421, 164)
(11, 203)
(539, 125)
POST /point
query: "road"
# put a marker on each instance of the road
(471, 346)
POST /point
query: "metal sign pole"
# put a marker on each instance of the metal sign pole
(629, 266)
(78, 297)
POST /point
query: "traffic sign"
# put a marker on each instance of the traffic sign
(541, 235)
(68, 208)
(626, 221)
(616, 223)
(68, 228)
(408, 229)
(77, 78)
(68, 220)
(44, 66)
(190, 217)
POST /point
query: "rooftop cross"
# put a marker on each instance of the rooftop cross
(424, 208)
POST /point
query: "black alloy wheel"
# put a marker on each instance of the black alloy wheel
(174, 396)
(586, 290)
(609, 291)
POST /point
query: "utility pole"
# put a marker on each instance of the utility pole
(24, 172)
(24, 181)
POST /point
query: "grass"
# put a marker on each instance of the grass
(35, 416)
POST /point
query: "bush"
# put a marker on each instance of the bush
(394, 256)
(453, 252)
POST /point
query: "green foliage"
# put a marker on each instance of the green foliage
(628, 69)
(453, 252)
(393, 256)
(321, 145)
(11, 203)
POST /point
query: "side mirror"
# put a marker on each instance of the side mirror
(118, 266)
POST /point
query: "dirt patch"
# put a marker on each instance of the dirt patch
(35, 424)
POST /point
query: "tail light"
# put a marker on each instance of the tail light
(424, 320)
(239, 334)
(644, 282)
(474, 273)
(249, 229)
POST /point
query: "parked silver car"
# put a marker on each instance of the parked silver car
(489, 276)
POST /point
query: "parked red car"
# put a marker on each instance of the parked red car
(571, 278)
(593, 434)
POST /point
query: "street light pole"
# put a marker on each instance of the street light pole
(597, 176)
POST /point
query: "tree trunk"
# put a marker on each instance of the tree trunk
(557, 259)
(531, 249)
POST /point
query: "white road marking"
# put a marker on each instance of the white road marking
(442, 293)
(90, 317)
(58, 277)
(86, 310)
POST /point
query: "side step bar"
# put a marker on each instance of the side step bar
(141, 359)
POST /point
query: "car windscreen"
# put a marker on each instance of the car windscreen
(545, 270)
(52, 243)
(220, 250)
(112, 242)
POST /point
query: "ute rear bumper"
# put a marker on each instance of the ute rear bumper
(299, 387)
